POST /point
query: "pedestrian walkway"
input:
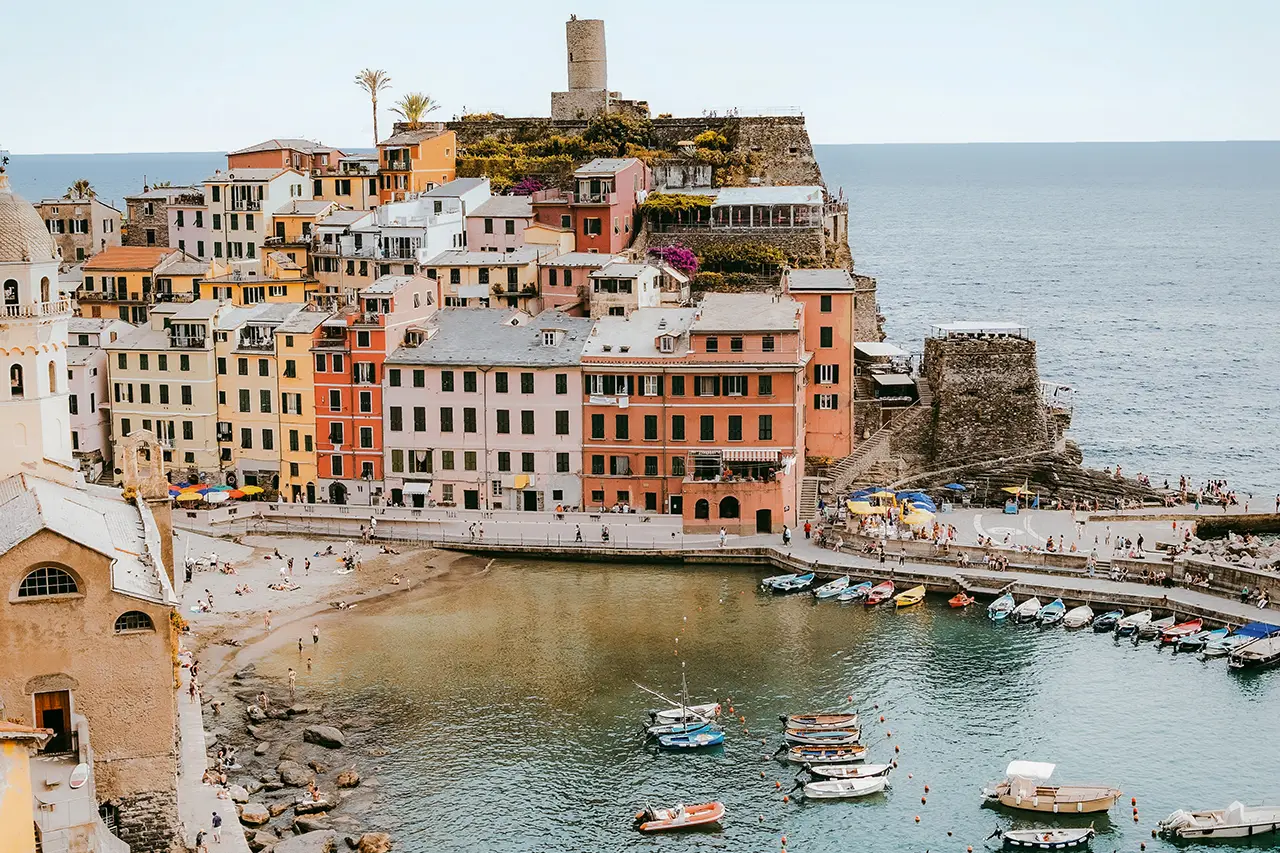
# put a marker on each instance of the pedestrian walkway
(197, 801)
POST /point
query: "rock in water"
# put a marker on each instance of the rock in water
(255, 713)
(305, 806)
(262, 749)
(254, 814)
(293, 773)
(259, 840)
(326, 736)
(311, 823)
(316, 766)
(246, 671)
(238, 793)
(373, 842)
(279, 808)
(348, 779)
(324, 841)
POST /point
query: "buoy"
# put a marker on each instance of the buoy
(882, 718)
(731, 711)
(888, 733)
(1135, 809)
(849, 698)
(926, 787)
(895, 762)
(908, 775)
(897, 748)
(1135, 818)
(1153, 835)
(785, 798)
(1133, 801)
(948, 833)
(761, 774)
(777, 785)
(969, 849)
(1143, 845)
(762, 818)
(762, 741)
(741, 719)
(917, 818)
(922, 801)
(876, 706)
(784, 841)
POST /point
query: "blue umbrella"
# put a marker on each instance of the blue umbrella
(955, 487)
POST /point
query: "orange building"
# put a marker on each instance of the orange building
(300, 154)
(416, 160)
(830, 302)
(119, 282)
(696, 412)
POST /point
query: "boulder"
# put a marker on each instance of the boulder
(316, 766)
(238, 793)
(257, 732)
(252, 786)
(260, 840)
(324, 841)
(295, 710)
(348, 779)
(254, 814)
(373, 842)
(277, 714)
(255, 713)
(279, 808)
(323, 804)
(275, 785)
(267, 777)
(311, 823)
(326, 736)
(262, 748)
(293, 773)
(246, 671)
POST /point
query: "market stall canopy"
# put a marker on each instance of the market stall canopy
(955, 487)
(879, 349)
(417, 488)
(217, 497)
(188, 497)
(252, 490)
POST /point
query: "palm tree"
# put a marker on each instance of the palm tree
(373, 81)
(81, 189)
(413, 106)
(161, 184)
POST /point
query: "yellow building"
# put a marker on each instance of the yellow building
(17, 807)
(490, 279)
(176, 277)
(296, 380)
(274, 278)
(293, 228)
(121, 281)
(354, 184)
(416, 160)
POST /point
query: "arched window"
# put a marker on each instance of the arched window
(702, 509)
(729, 507)
(15, 382)
(44, 289)
(133, 620)
(11, 292)
(47, 581)
(53, 378)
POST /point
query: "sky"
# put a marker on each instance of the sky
(142, 75)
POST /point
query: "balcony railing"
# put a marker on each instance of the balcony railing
(164, 296)
(268, 345)
(185, 342)
(334, 342)
(397, 166)
(594, 198)
(53, 308)
(370, 318)
(304, 240)
(246, 204)
(399, 252)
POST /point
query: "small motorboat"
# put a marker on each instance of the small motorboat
(1078, 617)
(819, 721)
(679, 817)
(1129, 625)
(795, 584)
(849, 771)
(1225, 646)
(816, 755)
(1262, 653)
(767, 583)
(1046, 839)
(910, 598)
(1052, 613)
(1027, 610)
(686, 713)
(1025, 787)
(999, 610)
(1108, 621)
(1182, 629)
(823, 737)
(855, 592)
(1200, 639)
(879, 593)
(678, 728)
(840, 789)
(961, 599)
(833, 588)
(1152, 629)
(701, 739)
(1235, 821)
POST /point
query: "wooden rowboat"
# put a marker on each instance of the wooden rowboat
(849, 771)
(1177, 632)
(1024, 788)
(819, 721)
(679, 817)
(1047, 839)
(880, 592)
(686, 714)
(961, 600)
(855, 592)
(1078, 617)
(1027, 610)
(832, 588)
(1129, 625)
(1052, 613)
(823, 755)
(911, 597)
(840, 789)
(999, 610)
(823, 737)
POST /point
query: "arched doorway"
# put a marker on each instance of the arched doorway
(702, 509)
(337, 493)
(729, 507)
(764, 521)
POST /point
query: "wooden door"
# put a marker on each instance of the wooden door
(53, 711)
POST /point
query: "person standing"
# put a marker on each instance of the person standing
(315, 634)
(293, 684)
(267, 619)
(577, 533)
(217, 828)
(200, 846)
(723, 536)
(808, 528)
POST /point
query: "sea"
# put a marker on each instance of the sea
(1147, 273)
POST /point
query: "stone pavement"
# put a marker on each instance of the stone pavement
(197, 801)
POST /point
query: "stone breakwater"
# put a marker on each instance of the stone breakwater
(282, 747)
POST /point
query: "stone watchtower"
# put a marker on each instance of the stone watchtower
(588, 94)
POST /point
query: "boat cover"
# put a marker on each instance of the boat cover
(1257, 629)
(1038, 770)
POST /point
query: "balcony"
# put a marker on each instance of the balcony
(369, 318)
(397, 166)
(304, 240)
(257, 344)
(336, 339)
(165, 296)
(188, 342)
(245, 204)
(35, 311)
(594, 198)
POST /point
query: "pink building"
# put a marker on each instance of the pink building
(565, 280)
(486, 413)
(498, 225)
(601, 210)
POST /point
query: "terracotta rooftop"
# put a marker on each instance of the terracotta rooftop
(128, 258)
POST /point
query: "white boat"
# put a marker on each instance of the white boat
(850, 771)
(832, 588)
(686, 714)
(1027, 610)
(1047, 839)
(1152, 629)
(999, 610)
(1130, 624)
(839, 789)
(1078, 617)
(1226, 645)
(1235, 821)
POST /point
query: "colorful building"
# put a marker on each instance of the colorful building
(565, 279)
(485, 412)
(344, 255)
(120, 282)
(81, 227)
(19, 832)
(489, 279)
(87, 386)
(830, 300)
(619, 288)
(241, 202)
(601, 209)
(353, 184)
(276, 277)
(189, 224)
(148, 214)
(499, 224)
(295, 365)
(415, 160)
(301, 155)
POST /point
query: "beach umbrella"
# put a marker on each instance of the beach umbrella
(233, 493)
(188, 497)
(955, 487)
(252, 490)
(174, 490)
(219, 488)
(1015, 490)
(920, 516)
(882, 494)
(216, 497)
(864, 508)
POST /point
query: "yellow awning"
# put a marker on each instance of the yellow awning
(1015, 490)
(251, 490)
(864, 508)
(521, 481)
(187, 497)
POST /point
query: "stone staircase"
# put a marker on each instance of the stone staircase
(809, 487)
(876, 449)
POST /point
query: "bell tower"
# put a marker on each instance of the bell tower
(35, 416)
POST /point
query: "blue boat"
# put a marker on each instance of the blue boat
(855, 592)
(692, 740)
(833, 588)
(795, 584)
(1051, 613)
(1197, 641)
(1107, 621)
(999, 610)
(768, 582)
(678, 728)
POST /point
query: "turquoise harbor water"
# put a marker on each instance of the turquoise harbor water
(1146, 271)
(512, 721)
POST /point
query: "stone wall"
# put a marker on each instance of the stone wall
(148, 823)
(867, 322)
(793, 241)
(140, 222)
(986, 398)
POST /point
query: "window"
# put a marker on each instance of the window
(397, 461)
(290, 369)
(666, 343)
(419, 379)
(526, 462)
(488, 226)
(446, 380)
(468, 420)
(122, 361)
(729, 507)
(767, 343)
(826, 337)
(591, 226)
(735, 427)
(766, 428)
(677, 386)
(825, 402)
(74, 403)
(242, 366)
(500, 382)
(366, 437)
(766, 386)
(526, 422)
(562, 463)
(650, 386)
(321, 362)
(651, 466)
(510, 226)
(184, 363)
(146, 393)
(504, 421)
(650, 427)
(504, 461)
(826, 374)
(397, 419)
(526, 383)
(446, 460)
(469, 460)
(735, 386)
(562, 422)
(446, 420)
(707, 428)
(619, 466)
(362, 339)
(335, 400)
(622, 427)
(268, 440)
(293, 440)
(133, 620)
(47, 581)
(482, 275)
(188, 430)
(469, 381)
(597, 464)
(244, 400)
(246, 438)
(335, 462)
(566, 221)
(455, 276)
(337, 363)
(677, 466)
(419, 418)
(824, 303)
(677, 427)
(735, 344)
(264, 367)
(706, 386)
(366, 402)
(264, 400)
(597, 426)
(702, 509)
(562, 383)
(336, 433)
(713, 344)
(393, 377)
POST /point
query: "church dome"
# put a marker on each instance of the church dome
(24, 238)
